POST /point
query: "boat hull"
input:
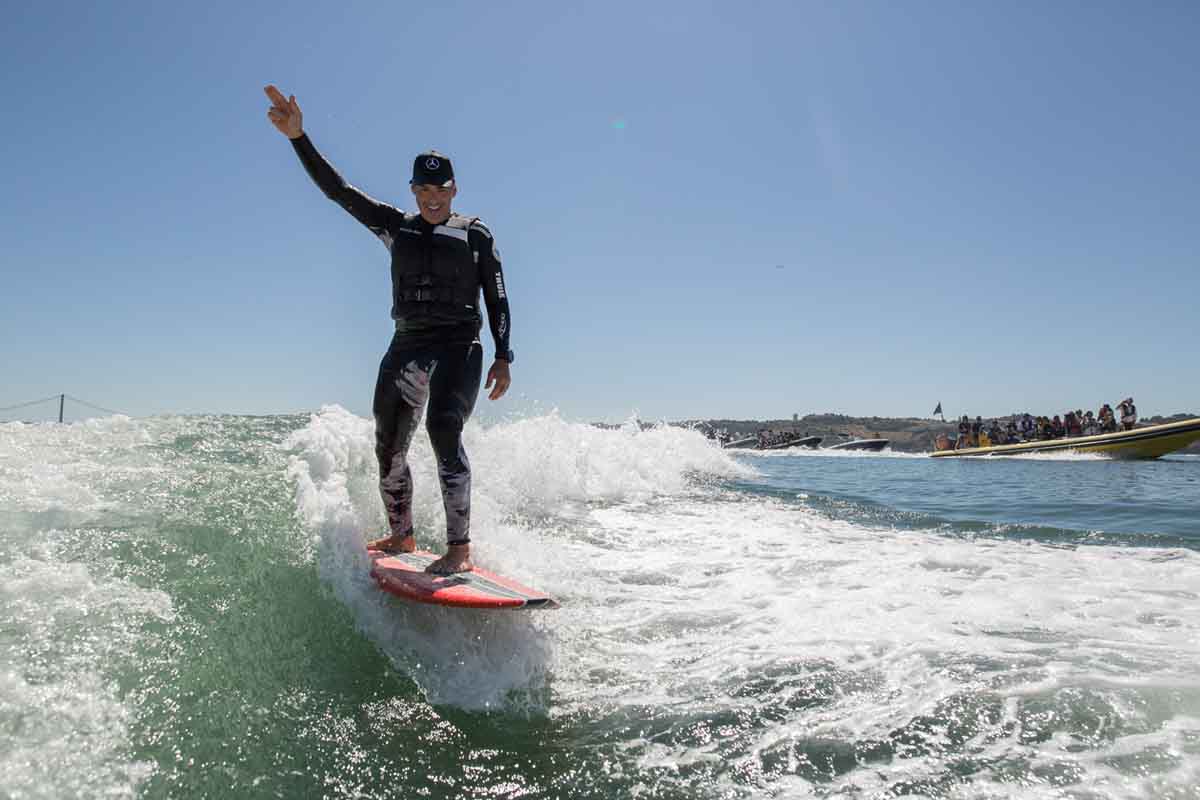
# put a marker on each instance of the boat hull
(873, 445)
(1140, 443)
(803, 441)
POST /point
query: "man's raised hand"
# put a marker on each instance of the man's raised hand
(284, 113)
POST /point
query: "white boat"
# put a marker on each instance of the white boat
(873, 445)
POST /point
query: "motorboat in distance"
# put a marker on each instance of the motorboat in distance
(1149, 442)
(751, 443)
(871, 445)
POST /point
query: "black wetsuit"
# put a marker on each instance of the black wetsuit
(435, 354)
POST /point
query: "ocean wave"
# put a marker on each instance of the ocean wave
(527, 477)
(66, 727)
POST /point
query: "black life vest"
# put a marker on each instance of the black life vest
(434, 271)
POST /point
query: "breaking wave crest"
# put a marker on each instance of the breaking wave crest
(531, 480)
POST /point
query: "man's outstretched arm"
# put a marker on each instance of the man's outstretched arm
(285, 115)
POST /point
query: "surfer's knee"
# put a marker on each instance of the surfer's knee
(444, 427)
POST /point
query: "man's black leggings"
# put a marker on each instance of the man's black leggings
(447, 375)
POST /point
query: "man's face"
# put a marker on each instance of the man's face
(434, 201)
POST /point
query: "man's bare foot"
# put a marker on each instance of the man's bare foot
(457, 559)
(394, 544)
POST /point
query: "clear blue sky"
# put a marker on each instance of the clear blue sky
(737, 210)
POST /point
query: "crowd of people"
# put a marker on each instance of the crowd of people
(1028, 428)
(769, 437)
(763, 439)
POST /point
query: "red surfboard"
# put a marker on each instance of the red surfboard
(404, 575)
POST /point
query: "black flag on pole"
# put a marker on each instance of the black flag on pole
(938, 410)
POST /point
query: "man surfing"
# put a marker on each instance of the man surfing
(440, 260)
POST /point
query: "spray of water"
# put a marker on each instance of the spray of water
(535, 480)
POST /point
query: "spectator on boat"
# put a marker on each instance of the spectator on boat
(995, 433)
(1057, 429)
(964, 433)
(1090, 426)
(1010, 432)
(976, 428)
(1108, 421)
(1028, 427)
(1128, 414)
(1073, 424)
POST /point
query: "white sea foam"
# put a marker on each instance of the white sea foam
(524, 473)
(68, 621)
(910, 619)
(1057, 455)
(64, 727)
(50, 466)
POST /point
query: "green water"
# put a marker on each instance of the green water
(186, 614)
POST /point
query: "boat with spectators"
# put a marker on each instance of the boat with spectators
(1151, 441)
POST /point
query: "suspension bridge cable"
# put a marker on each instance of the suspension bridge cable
(32, 403)
(94, 406)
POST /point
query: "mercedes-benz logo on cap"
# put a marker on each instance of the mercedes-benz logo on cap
(432, 163)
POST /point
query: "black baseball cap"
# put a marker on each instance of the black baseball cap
(432, 168)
